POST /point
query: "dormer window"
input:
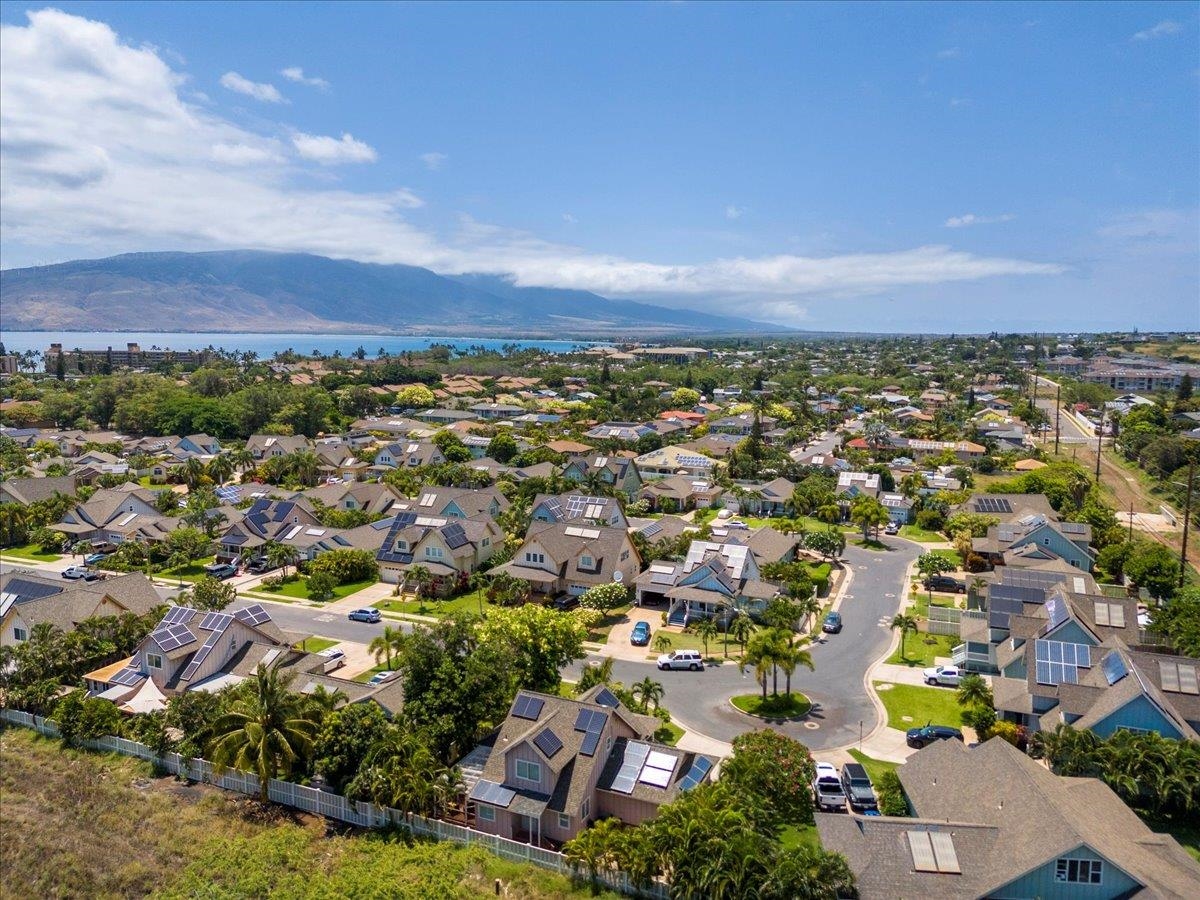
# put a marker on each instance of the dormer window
(586, 562)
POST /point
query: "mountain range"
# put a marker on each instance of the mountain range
(254, 291)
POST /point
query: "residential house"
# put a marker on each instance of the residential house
(272, 446)
(674, 460)
(559, 558)
(717, 446)
(626, 432)
(989, 822)
(741, 425)
(28, 599)
(716, 579)
(1008, 508)
(771, 498)
(615, 471)
(852, 485)
(25, 491)
(899, 507)
(449, 549)
(409, 454)
(267, 519)
(490, 411)
(116, 515)
(579, 509)
(1036, 538)
(445, 416)
(457, 503)
(373, 498)
(557, 765)
(681, 492)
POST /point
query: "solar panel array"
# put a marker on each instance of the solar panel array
(454, 535)
(1001, 610)
(230, 493)
(1031, 578)
(1059, 662)
(1111, 615)
(1019, 593)
(588, 507)
(658, 769)
(652, 529)
(631, 767)
(527, 707)
(933, 851)
(215, 621)
(548, 742)
(591, 722)
(24, 591)
(1036, 520)
(1177, 677)
(494, 794)
(254, 614)
(993, 505)
(605, 697)
(172, 637)
(1056, 613)
(202, 654)
(177, 615)
(127, 677)
(696, 774)
(1114, 667)
(1073, 528)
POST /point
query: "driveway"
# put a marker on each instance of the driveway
(842, 708)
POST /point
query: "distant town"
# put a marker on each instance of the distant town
(920, 612)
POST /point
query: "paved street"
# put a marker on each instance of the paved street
(700, 700)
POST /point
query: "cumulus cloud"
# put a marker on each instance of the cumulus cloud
(239, 84)
(102, 153)
(734, 212)
(972, 219)
(331, 151)
(1162, 29)
(296, 74)
(569, 219)
(434, 160)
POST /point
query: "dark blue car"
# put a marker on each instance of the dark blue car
(640, 636)
(832, 623)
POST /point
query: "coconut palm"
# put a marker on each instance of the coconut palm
(305, 467)
(791, 656)
(389, 645)
(868, 513)
(326, 700)
(876, 433)
(973, 691)
(594, 674)
(912, 484)
(400, 772)
(420, 577)
(706, 630)
(648, 691)
(829, 511)
(760, 655)
(268, 731)
(742, 627)
(243, 459)
(278, 556)
(905, 623)
(192, 472)
(220, 469)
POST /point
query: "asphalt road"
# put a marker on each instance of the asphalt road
(1070, 431)
(700, 700)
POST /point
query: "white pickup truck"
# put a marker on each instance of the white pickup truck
(947, 675)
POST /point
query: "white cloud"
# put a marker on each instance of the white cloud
(331, 151)
(239, 84)
(734, 212)
(956, 102)
(569, 219)
(950, 53)
(434, 160)
(296, 74)
(98, 138)
(1162, 29)
(971, 219)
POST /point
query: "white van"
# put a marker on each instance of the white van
(681, 659)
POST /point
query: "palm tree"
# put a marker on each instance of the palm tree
(905, 623)
(220, 469)
(973, 691)
(14, 524)
(759, 654)
(595, 849)
(268, 731)
(326, 700)
(868, 513)
(829, 511)
(742, 627)
(192, 472)
(648, 691)
(400, 772)
(792, 655)
(278, 555)
(389, 645)
(912, 484)
(243, 459)
(421, 578)
(305, 467)
(594, 674)
(706, 630)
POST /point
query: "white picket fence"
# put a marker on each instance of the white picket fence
(335, 806)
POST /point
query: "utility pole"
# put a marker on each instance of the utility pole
(1099, 444)
(1033, 410)
(1131, 521)
(1187, 518)
(1057, 416)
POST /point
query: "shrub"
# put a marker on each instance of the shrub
(890, 794)
(274, 582)
(81, 718)
(320, 586)
(1009, 731)
(345, 566)
(930, 519)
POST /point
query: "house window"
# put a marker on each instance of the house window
(401, 545)
(434, 553)
(564, 821)
(535, 558)
(487, 542)
(529, 771)
(624, 555)
(1079, 871)
(585, 809)
(154, 661)
(20, 634)
(586, 562)
(486, 813)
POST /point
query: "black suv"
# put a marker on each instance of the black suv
(922, 737)
(857, 785)
(945, 583)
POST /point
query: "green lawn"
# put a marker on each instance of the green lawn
(298, 590)
(913, 533)
(364, 677)
(688, 641)
(31, 552)
(922, 705)
(467, 603)
(599, 632)
(874, 767)
(193, 571)
(781, 706)
(922, 649)
(317, 644)
(676, 733)
(949, 554)
(791, 836)
(1184, 831)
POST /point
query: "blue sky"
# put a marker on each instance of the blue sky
(872, 167)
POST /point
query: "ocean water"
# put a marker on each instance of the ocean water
(265, 345)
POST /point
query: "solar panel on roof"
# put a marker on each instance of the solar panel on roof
(455, 536)
(172, 637)
(1072, 528)
(127, 677)
(590, 741)
(491, 793)
(194, 666)
(254, 614)
(696, 774)
(527, 707)
(547, 741)
(605, 697)
(23, 590)
(624, 783)
(652, 529)
(216, 620)
(1114, 667)
(1056, 613)
(1188, 683)
(177, 614)
(944, 853)
(1018, 593)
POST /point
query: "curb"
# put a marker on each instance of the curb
(772, 719)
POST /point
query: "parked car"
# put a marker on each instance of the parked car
(928, 734)
(258, 565)
(220, 570)
(640, 636)
(892, 528)
(334, 658)
(858, 787)
(682, 659)
(366, 615)
(73, 573)
(832, 623)
(103, 547)
(93, 575)
(945, 583)
(92, 558)
(380, 677)
(827, 789)
(947, 675)
(566, 602)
